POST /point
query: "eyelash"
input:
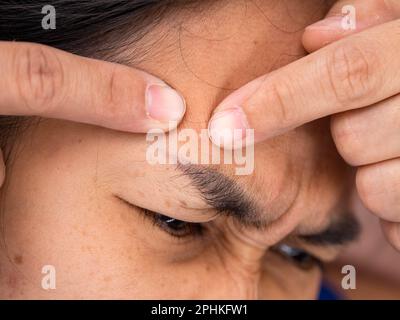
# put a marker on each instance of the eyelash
(299, 257)
(174, 227)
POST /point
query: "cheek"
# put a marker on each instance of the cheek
(282, 280)
(55, 212)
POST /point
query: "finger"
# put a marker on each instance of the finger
(352, 73)
(2, 169)
(378, 186)
(349, 17)
(392, 233)
(43, 81)
(368, 135)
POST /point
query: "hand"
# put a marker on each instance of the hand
(41, 81)
(356, 79)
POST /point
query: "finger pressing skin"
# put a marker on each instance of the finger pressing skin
(368, 135)
(366, 14)
(392, 233)
(43, 81)
(352, 73)
(378, 186)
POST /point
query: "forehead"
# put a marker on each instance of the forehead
(208, 53)
(206, 57)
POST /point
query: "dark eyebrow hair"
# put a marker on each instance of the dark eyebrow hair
(227, 196)
(223, 194)
(344, 230)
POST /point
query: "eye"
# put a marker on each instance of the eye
(174, 227)
(301, 258)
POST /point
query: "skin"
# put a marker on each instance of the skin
(353, 79)
(64, 181)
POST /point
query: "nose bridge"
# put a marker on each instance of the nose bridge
(243, 280)
(242, 256)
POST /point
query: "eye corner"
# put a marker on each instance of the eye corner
(299, 257)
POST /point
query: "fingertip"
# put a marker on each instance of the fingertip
(227, 127)
(311, 41)
(391, 231)
(322, 33)
(164, 104)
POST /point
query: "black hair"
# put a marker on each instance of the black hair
(99, 29)
(83, 26)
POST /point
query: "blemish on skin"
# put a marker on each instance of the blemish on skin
(18, 259)
(167, 204)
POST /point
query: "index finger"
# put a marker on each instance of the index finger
(42, 81)
(352, 73)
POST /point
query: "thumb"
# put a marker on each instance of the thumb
(347, 17)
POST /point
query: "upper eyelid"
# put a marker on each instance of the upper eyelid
(196, 216)
(152, 215)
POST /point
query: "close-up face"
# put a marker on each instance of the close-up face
(88, 201)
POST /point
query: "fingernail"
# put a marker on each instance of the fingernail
(330, 23)
(164, 103)
(228, 126)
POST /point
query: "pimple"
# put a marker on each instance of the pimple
(18, 259)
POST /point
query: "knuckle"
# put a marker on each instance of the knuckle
(350, 71)
(281, 95)
(39, 77)
(115, 96)
(347, 139)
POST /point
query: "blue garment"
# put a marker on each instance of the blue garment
(328, 293)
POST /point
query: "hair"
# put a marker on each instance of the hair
(83, 26)
(100, 29)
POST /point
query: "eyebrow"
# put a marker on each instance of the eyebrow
(223, 194)
(344, 230)
(226, 196)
